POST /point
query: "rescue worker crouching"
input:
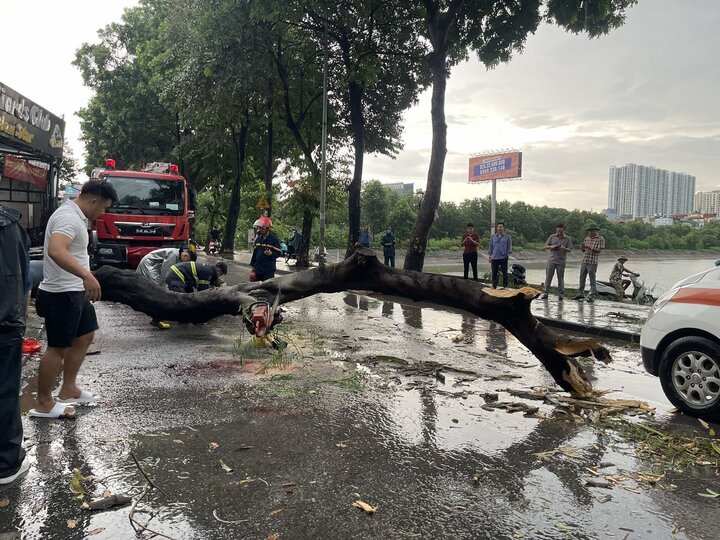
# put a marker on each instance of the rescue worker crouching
(188, 277)
(266, 250)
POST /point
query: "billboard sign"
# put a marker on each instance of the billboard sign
(495, 167)
(24, 122)
(19, 169)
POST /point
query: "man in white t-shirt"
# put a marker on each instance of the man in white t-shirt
(64, 299)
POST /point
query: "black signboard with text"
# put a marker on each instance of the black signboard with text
(26, 123)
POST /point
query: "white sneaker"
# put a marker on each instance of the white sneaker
(24, 467)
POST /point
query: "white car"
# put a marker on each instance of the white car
(680, 344)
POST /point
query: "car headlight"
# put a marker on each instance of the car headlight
(660, 302)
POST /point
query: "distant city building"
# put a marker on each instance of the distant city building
(707, 202)
(640, 191)
(611, 214)
(663, 222)
(401, 188)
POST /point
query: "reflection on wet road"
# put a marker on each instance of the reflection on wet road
(303, 444)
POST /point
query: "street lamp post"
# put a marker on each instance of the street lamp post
(323, 171)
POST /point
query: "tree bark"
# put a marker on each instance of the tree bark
(364, 271)
(239, 140)
(415, 256)
(269, 166)
(357, 120)
(303, 254)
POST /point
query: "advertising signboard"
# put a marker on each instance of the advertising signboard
(24, 122)
(19, 169)
(495, 167)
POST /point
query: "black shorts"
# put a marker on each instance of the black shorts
(68, 315)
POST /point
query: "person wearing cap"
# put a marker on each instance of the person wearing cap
(188, 277)
(616, 277)
(388, 244)
(266, 250)
(591, 248)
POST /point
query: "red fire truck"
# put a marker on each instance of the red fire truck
(152, 212)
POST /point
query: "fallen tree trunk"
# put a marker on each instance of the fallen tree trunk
(363, 271)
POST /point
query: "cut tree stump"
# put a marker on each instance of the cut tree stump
(363, 271)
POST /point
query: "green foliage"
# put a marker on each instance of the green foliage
(68, 170)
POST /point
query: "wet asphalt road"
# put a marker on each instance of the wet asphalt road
(342, 422)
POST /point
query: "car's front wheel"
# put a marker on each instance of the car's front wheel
(690, 376)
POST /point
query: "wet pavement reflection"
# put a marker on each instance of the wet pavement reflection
(348, 420)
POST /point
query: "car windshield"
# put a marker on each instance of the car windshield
(148, 196)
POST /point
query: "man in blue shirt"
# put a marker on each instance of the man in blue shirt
(498, 253)
(366, 236)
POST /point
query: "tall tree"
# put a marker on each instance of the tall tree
(377, 55)
(494, 30)
(125, 119)
(68, 170)
(219, 80)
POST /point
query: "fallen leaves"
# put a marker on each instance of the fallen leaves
(365, 507)
(710, 494)
(707, 426)
(96, 530)
(213, 445)
(600, 405)
(275, 512)
(225, 467)
(71, 523)
(567, 451)
(76, 483)
(215, 515)
(4, 502)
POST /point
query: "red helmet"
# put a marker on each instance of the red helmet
(264, 222)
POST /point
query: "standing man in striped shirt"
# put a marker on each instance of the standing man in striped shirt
(591, 247)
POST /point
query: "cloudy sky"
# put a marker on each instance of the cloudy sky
(644, 94)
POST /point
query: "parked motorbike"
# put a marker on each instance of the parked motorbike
(516, 276)
(213, 247)
(641, 294)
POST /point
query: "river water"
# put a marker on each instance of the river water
(659, 274)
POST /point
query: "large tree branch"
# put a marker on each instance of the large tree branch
(363, 271)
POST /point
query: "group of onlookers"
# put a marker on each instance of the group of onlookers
(558, 245)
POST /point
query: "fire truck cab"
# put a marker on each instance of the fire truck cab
(152, 212)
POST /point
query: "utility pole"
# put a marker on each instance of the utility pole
(323, 171)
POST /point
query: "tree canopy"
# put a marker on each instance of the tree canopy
(232, 91)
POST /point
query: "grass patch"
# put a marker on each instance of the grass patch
(667, 451)
(352, 383)
(280, 391)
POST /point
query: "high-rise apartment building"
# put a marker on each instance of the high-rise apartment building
(707, 202)
(640, 191)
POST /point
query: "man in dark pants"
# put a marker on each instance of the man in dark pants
(266, 250)
(188, 277)
(498, 253)
(470, 242)
(14, 280)
(388, 244)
